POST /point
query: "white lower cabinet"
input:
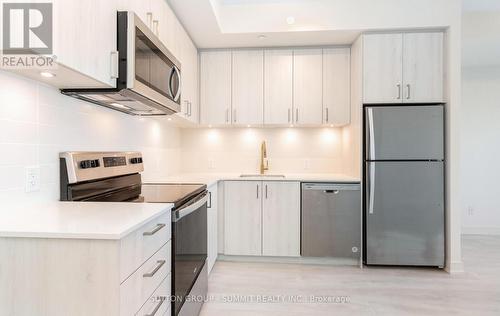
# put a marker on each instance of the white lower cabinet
(281, 219)
(262, 218)
(112, 277)
(212, 219)
(242, 218)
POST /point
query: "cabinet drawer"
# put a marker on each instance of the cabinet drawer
(139, 246)
(158, 304)
(140, 285)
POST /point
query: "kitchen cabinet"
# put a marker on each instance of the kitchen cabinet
(212, 230)
(262, 218)
(281, 219)
(83, 58)
(88, 275)
(423, 67)
(242, 218)
(278, 86)
(247, 87)
(189, 79)
(336, 86)
(307, 86)
(403, 67)
(215, 89)
(382, 68)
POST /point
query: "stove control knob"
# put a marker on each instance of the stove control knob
(136, 160)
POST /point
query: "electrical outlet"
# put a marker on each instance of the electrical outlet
(470, 211)
(32, 179)
(211, 164)
(307, 164)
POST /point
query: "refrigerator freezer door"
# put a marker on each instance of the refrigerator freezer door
(405, 213)
(404, 133)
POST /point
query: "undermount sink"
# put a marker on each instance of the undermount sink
(262, 176)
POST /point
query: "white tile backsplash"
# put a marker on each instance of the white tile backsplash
(37, 122)
(238, 150)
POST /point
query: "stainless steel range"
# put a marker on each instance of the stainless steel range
(115, 177)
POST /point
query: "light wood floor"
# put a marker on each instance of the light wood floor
(371, 291)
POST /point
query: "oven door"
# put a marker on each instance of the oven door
(189, 230)
(152, 71)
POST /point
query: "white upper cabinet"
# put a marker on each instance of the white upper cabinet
(403, 67)
(281, 219)
(308, 86)
(382, 68)
(215, 90)
(83, 42)
(423, 67)
(189, 79)
(278, 86)
(248, 87)
(336, 86)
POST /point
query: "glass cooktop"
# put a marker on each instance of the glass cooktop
(170, 192)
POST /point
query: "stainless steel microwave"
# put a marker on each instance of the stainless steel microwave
(149, 76)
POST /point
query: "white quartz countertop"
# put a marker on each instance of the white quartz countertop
(211, 178)
(78, 220)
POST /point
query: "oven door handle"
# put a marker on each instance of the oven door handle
(182, 212)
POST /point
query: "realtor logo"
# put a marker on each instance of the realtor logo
(27, 28)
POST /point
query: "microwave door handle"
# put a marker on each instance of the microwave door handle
(171, 75)
(176, 71)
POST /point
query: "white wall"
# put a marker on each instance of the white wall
(290, 150)
(480, 134)
(37, 122)
(481, 150)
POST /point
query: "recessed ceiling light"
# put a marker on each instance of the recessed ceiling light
(47, 74)
(120, 106)
(290, 20)
(249, 126)
(261, 37)
(169, 119)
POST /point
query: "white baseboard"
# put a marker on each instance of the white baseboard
(454, 267)
(479, 230)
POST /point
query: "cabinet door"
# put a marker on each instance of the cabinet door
(248, 87)
(189, 79)
(382, 68)
(281, 218)
(242, 218)
(336, 86)
(76, 44)
(215, 92)
(212, 226)
(423, 67)
(308, 86)
(278, 72)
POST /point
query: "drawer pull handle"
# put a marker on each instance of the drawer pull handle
(157, 307)
(158, 267)
(154, 231)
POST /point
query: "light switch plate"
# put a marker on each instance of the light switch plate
(32, 179)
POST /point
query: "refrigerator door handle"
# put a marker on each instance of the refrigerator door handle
(371, 197)
(371, 136)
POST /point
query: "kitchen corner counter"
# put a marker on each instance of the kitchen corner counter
(78, 220)
(212, 178)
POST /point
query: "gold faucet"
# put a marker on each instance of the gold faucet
(263, 157)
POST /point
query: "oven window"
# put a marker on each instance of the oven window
(152, 68)
(189, 252)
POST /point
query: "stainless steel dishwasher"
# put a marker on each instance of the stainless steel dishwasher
(331, 220)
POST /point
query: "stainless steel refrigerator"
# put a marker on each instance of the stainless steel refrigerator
(404, 185)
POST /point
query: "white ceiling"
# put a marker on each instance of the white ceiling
(239, 23)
